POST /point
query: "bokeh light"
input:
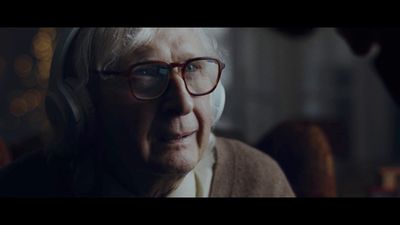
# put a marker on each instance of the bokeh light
(18, 106)
(33, 99)
(24, 111)
(50, 31)
(43, 83)
(36, 118)
(23, 65)
(28, 82)
(43, 69)
(42, 46)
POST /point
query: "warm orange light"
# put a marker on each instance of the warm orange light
(23, 65)
(42, 46)
(18, 107)
(33, 99)
(36, 118)
(28, 82)
(43, 83)
(43, 69)
(50, 31)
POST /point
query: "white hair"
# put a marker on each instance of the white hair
(103, 48)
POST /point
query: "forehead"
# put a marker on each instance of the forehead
(178, 39)
(173, 44)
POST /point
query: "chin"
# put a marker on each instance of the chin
(175, 161)
(174, 156)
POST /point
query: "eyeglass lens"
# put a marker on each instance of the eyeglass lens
(149, 81)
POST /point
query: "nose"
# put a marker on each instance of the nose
(177, 100)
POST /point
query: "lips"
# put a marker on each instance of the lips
(173, 137)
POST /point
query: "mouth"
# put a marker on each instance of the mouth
(177, 137)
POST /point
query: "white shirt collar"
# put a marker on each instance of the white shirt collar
(197, 183)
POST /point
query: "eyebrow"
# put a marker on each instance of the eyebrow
(145, 53)
(138, 55)
(145, 57)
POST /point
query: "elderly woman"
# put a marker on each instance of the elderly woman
(133, 111)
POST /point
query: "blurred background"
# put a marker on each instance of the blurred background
(272, 79)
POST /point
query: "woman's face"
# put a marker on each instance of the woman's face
(163, 136)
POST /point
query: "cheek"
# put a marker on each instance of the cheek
(127, 120)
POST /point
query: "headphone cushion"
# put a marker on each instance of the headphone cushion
(88, 110)
(218, 102)
(60, 118)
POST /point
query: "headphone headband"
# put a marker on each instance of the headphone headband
(67, 35)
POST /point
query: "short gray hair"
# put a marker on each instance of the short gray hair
(103, 48)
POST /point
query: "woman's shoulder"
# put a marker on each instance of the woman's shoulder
(252, 169)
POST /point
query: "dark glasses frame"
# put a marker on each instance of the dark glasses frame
(171, 66)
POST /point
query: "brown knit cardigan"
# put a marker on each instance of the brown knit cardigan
(239, 171)
(243, 171)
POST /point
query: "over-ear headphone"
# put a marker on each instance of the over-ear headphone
(218, 102)
(67, 100)
(68, 104)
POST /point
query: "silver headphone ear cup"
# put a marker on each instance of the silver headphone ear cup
(62, 107)
(218, 102)
(60, 117)
(86, 126)
(56, 114)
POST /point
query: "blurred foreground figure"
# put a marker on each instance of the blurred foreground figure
(304, 152)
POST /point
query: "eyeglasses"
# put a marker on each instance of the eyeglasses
(149, 80)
